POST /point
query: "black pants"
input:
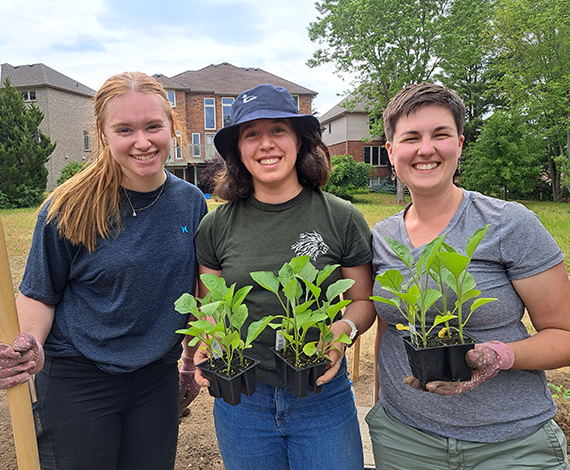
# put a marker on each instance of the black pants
(88, 419)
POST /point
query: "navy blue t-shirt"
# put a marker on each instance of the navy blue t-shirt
(115, 305)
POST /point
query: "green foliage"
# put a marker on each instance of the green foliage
(298, 288)
(24, 150)
(448, 269)
(72, 168)
(505, 157)
(560, 392)
(219, 320)
(385, 186)
(533, 46)
(466, 60)
(347, 177)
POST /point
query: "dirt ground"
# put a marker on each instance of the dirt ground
(197, 445)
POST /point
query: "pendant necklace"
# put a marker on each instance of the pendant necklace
(142, 208)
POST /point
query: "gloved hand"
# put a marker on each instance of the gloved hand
(21, 360)
(486, 360)
(189, 389)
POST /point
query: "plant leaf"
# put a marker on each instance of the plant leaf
(267, 280)
(338, 288)
(391, 278)
(186, 303)
(474, 240)
(402, 251)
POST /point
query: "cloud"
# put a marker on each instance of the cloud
(82, 43)
(90, 41)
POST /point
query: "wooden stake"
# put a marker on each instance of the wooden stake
(18, 397)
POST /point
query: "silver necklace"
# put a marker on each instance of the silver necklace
(142, 208)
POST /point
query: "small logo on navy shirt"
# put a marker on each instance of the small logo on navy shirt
(185, 229)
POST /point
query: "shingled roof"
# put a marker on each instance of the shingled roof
(41, 75)
(338, 109)
(227, 79)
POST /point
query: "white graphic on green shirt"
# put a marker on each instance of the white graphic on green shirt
(311, 244)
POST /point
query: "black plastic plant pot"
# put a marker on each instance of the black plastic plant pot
(229, 388)
(439, 362)
(300, 380)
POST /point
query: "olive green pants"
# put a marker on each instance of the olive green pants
(397, 446)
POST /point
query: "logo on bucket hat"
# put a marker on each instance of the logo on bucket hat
(262, 102)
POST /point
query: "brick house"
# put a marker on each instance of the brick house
(202, 100)
(343, 131)
(67, 107)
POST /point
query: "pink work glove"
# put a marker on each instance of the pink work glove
(486, 360)
(21, 360)
(189, 389)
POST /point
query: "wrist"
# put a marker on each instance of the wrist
(505, 353)
(349, 328)
(187, 364)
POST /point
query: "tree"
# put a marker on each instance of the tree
(69, 170)
(505, 158)
(533, 43)
(467, 59)
(347, 177)
(386, 44)
(24, 150)
(208, 175)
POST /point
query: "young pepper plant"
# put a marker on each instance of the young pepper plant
(448, 269)
(298, 288)
(219, 320)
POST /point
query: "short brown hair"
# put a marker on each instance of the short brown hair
(313, 165)
(413, 97)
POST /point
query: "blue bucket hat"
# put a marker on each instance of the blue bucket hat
(262, 102)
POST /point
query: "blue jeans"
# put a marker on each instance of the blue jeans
(90, 420)
(273, 429)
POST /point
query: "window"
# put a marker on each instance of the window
(29, 95)
(86, 141)
(196, 146)
(226, 108)
(296, 99)
(209, 113)
(330, 127)
(177, 148)
(376, 155)
(172, 97)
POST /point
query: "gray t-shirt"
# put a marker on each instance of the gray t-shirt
(115, 306)
(248, 235)
(515, 402)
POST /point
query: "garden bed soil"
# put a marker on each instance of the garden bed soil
(197, 445)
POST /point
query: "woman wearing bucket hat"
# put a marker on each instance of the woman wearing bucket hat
(275, 164)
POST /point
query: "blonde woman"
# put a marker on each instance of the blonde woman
(112, 249)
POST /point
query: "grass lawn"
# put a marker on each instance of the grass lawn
(19, 224)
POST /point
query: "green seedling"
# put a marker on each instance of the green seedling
(449, 271)
(219, 320)
(298, 288)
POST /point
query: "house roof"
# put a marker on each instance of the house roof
(227, 79)
(168, 82)
(36, 75)
(338, 109)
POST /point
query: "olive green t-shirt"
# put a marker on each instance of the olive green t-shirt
(248, 235)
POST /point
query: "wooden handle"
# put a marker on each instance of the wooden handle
(18, 397)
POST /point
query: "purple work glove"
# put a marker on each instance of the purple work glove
(486, 360)
(189, 389)
(21, 360)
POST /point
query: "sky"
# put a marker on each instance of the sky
(92, 40)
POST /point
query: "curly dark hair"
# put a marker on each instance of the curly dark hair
(313, 165)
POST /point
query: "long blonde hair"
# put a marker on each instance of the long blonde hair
(87, 205)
